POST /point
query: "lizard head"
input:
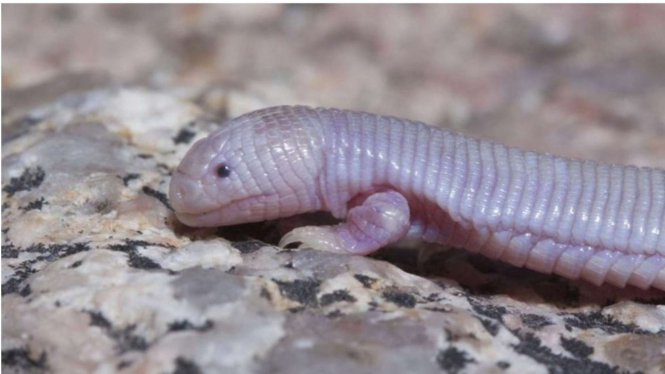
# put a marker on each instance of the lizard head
(262, 165)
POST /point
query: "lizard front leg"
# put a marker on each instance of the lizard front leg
(382, 219)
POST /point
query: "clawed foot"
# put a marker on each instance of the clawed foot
(382, 219)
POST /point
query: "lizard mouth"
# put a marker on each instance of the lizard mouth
(246, 210)
(194, 207)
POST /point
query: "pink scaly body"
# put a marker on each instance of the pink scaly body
(389, 177)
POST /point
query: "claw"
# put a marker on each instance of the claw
(292, 245)
(321, 238)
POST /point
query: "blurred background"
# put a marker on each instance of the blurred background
(577, 80)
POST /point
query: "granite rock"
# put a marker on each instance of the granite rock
(98, 276)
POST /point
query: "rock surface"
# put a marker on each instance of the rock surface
(99, 277)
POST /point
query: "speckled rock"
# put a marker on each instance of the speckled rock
(99, 277)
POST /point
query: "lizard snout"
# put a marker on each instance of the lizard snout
(187, 195)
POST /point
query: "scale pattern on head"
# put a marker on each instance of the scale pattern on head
(261, 165)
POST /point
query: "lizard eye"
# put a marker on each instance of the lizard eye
(223, 170)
